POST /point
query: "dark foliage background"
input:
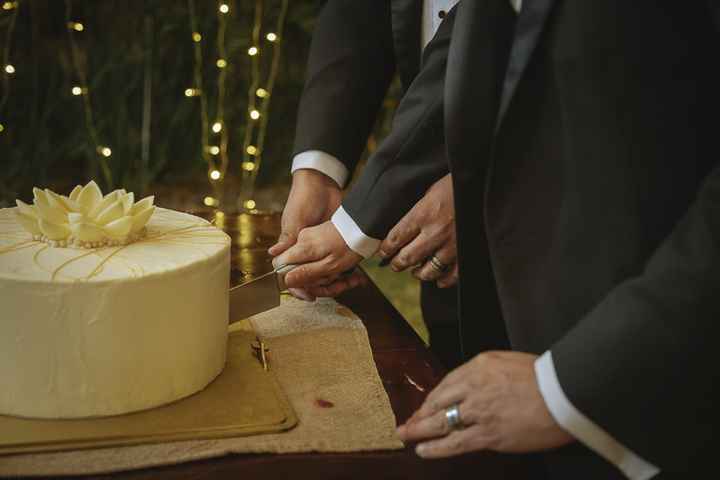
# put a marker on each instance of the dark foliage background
(45, 141)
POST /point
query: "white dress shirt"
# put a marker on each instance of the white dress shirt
(563, 411)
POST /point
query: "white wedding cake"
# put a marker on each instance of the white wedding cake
(107, 305)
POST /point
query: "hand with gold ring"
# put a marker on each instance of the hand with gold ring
(426, 232)
(491, 402)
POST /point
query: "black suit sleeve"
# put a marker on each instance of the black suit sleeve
(642, 364)
(412, 157)
(349, 70)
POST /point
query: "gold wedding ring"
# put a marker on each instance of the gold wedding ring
(437, 264)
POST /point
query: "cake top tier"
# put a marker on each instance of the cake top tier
(172, 240)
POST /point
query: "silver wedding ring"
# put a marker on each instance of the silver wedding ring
(452, 415)
(437, 264)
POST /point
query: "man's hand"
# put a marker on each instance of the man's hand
(313, 199)
(322, 256)
(500, 406)
(426, 230)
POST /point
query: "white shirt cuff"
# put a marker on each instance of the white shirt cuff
(322, 162)
(584, 429)
(353, 236)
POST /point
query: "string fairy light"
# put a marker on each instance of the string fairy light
(221, 63)
(104, 152)
(259, 101)
(197, 91)
(216, 170)
(259, 94)
(6, 57)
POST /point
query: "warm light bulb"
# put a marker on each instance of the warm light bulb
(209, 201)
(221, 63)
(215, 174)
(191, 92)
(254, 114)
(77, 91)
(9, 68)
(214, 150)
(261, 92)
(251, 149)
(2, 127)
(105, 151)
(252, 51)
(77, 26)
(217, 127)
(224, 8)
(196, 36)
(271, 37)
(9, 5)
(250, 204)
(248, 166)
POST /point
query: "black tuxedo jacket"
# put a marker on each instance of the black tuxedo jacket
(585, 168)
(356, 49)
(588, 199)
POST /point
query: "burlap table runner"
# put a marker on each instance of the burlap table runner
(322, 358)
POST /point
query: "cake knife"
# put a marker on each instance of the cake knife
(258, 295)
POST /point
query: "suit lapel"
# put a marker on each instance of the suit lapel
(477, 59)
(529, 26)
(407, 30)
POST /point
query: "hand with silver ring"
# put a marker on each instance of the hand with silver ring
(492, 402)
(427, 231)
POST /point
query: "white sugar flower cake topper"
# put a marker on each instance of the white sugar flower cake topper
(85, 218)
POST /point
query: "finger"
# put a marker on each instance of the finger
(283, 243)
(339, 286)
(415, 252)
(288, 235)
(310, 274)
(443, 398)
(457, 442)
(425, 428)
(302, 294)
(429, 272)
(300, 252)
(450, 278)
(401, 234)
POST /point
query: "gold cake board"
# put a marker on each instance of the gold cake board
(243, 400)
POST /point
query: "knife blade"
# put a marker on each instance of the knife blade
(258, 295)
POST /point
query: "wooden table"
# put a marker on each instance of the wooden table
(400, 355)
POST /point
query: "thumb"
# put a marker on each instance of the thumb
(285, 241)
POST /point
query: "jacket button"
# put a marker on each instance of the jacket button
(442, 13)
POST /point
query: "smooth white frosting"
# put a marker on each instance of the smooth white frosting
(115, 329)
